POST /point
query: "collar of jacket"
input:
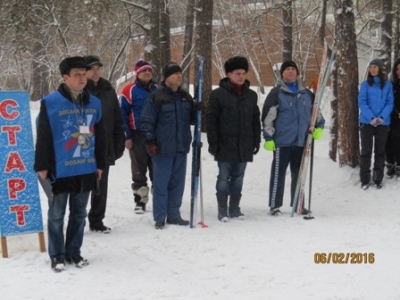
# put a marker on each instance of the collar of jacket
(284, 87)
(226, 84)
(64, 90)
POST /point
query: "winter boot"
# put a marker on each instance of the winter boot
(222, 208)
(141, 198)
(234, 209)
(391, 170)
(398, 171)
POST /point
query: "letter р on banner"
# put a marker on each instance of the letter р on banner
(20, 210)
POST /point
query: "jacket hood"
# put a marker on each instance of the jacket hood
(284, 87)
(226, 84)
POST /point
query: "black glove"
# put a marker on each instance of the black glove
(212, 149)
(199, 106)
(256, 149)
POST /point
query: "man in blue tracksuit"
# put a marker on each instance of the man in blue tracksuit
(286, 119)
(165, 123)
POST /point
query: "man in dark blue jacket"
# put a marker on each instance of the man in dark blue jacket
(70, 153)
(165, 123)
(286, 119)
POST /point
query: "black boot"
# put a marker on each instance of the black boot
(234, 209)
(398, 171)
(391, 170)
(222, 208)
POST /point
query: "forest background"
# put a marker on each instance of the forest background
(37, 34)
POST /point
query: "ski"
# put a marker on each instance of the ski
(196, 161)
(47, 188)
(326, 67)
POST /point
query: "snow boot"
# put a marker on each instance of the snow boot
(234, 209)
(141, 198)
(398, 171)
(222, 208)
(391, 170)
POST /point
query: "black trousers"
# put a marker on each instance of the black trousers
(140, 161)
(283, 157)
(372, 138)
(392, 150)
(98, 203)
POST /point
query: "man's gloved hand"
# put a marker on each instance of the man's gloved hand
(199, 106)
(152, 149)
(212, 149)
(317, 134)
(270, 145)
(256, 149)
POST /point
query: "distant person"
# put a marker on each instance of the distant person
(132, 99)
(393, 140)
(70, 152)
(286, 118)
(375, 101)
(165, 124)
(114, 135)
(234, 134)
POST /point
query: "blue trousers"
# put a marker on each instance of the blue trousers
(75, 227)
(169, 173)
(284, 156)
(230, 178)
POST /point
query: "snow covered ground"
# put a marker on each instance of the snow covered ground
(262, 257)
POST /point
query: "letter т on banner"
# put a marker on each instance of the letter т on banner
(20, 210)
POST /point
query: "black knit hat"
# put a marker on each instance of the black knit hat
(377, 62)
(236, 63)
(92, 60)
(75, 62)
(287, 64)
(171, 68)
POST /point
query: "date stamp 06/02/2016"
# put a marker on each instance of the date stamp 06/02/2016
(344, 258)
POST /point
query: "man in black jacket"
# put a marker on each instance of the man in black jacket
(114, 136)
(70, 154)
(234, 134)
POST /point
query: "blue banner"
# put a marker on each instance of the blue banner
(20, 210)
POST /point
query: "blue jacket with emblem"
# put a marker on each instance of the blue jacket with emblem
(286, 115)
(166, 120)
(71, 161)
(375, 102)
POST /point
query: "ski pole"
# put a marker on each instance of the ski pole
(201, 223)
(309, 217)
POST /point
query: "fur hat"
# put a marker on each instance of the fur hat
(287, 64)
(142, 65)
(236, 63)
(92, 60)
(171, 68)
(75, 62)
(377, 62)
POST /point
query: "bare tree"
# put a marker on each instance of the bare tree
(386, 35)
(396, 33)
(287, 24)
(187, 45)
(347, 90)
(204, 43)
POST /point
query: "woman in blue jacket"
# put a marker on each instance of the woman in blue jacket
(375, 101)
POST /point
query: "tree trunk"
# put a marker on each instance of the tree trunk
(333, 146)
(347, 90)
(165, 25)
(386, 36)
(396, 33)
(287, 24)
(204, 46)
(187, 46)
